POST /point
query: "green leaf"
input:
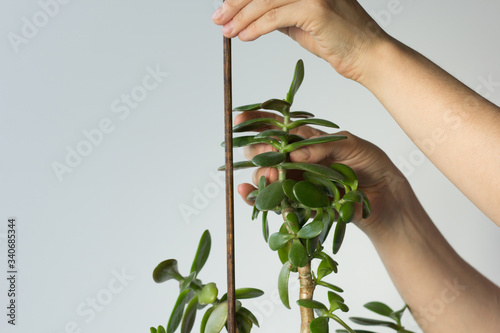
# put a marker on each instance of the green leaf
(269, 159)
(271, 133)
(324, 183)
(380, 308)
(277, 105)
(255, 212)
(288, 189)
(353, 196)
(283, 252)
(325, 268)
(367, 208)
(187, 281)
(311, 230)
(252, 195)
(243, 324)
(298, 254)
(256, 123)
(373, 322)
(283, 284)
(346, 211)
(356, 331)
(350, 177)
(262, 183)
(265, 226)
(316, 169)
(312, 121)
(208, 294)
(311, 304)
(248, 107)
(298, 77)
(313, 141)
(239, 165)
(293, 222)
(189, 316)
(396, 315)
(310, 195)
(166, 270)
(176, 316)
(204, 320)
(245, 293)
(247, 313)
(301, 114)
(328, 218)
(334, 298)
(243, 141)
(270, 197)
(278, 240)
(338, 237)
(312, 245)
(202, 253)
(217, 319)
(295, 138)
(319, 325)
(152, 330)
(330, 286)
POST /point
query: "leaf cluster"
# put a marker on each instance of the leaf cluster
(195, 296)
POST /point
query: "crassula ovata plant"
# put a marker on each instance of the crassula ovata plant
(319, 205)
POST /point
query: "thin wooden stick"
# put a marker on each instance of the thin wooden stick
(228, 138)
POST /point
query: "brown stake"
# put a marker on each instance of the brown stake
(228, 139)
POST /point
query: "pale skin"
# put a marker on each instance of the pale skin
(446, 120)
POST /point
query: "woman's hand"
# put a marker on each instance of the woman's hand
(339, 31)
(386, 187)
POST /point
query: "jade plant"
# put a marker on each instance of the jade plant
(318, 205)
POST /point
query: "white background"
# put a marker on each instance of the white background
(118, 211)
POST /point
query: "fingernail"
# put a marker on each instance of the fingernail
(217, 14)
(227, 28)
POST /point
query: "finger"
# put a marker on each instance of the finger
(228, 10)
(244, 190)
(273, 19)
(271, 175)
(250, 151)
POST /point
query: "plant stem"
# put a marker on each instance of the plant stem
(306, 292)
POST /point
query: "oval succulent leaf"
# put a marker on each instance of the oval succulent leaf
(350, 177)
(334, 298)
(330, 286)
(204, 320)
(367, 208)
(311, 304)
(353, 196)
(380, 308)
(161, 329)
(243, 324)
(283, 284)
(298, 77)
(208, 294)
(243, 141)
(166, 270)
(176, 316)
(346, 211)
(301, 114)
(202, 253)
(310, 195)
(255, 124)
(298, 254)
(217, 319)
(288, 189)
(293, 222)
(313, 141)
(252, 195)
(269, 159)
(239, 165)
(244, 293)
(247, 313)
(310, 230)
(330, 187)
(186, 284)
(248, 107)
(373, 322)
(338, 237)
(277, 105)
(270, 197)
(189, 316)
(265, 226)
(312, 121)
(278, 240)
(316, 169)
(271, 133)
(319, 325)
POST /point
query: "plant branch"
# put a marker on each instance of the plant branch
(306, 292)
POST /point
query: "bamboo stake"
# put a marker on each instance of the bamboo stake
(228, 138)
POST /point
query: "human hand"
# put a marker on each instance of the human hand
(386, 187)
(339, 31)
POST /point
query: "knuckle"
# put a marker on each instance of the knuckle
(271, 16)
(233, 3)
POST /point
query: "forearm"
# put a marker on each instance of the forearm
(444, 293)
(458, 130)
